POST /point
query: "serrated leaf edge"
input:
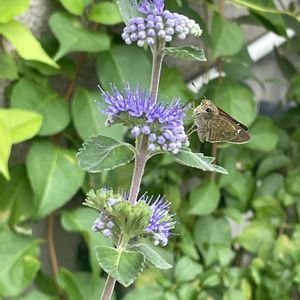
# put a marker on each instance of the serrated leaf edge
(217, 168)
(131, 281)
(106, 169)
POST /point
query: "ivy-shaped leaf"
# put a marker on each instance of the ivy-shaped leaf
(12, 8)
(101, 153)
(27, 46)
(186, 53)
(123, 265)
(22, 124)
(197, 160)
(74, 37)
(5, 148)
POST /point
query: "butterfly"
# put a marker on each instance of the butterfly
(214, 125)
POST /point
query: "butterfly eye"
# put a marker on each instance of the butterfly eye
(208, 110)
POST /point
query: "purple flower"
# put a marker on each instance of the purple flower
(145, 117)
(161, 222)
(150, 6)
(161, 24)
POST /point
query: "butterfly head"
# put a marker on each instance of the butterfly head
(206, 107)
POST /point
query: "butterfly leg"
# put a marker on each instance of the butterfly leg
(191, 130)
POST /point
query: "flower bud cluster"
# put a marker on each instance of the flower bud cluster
(104, 222)
(163, 124)
(118, 216)
(159, 25)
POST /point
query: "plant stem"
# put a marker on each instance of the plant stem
(52, 252)
(139, 166)
(158, 56)
(141, 155)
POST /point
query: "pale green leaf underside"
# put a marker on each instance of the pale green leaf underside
(153, 258)
(197, 160)
(123, 265)
(101, 153)
(186, 53)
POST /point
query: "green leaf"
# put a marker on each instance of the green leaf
(116, 66)
(209, 234)
(198, 161)
(81, 220)
(88, 120)
(187, 269)
(227, 37)
(19, 263)
(101, 153)
(75, 7)
(293, 92)
(54, 109)
(128, 9)
(8, 67)
(148, 292)
(266, 12)
(234, 294)
(233, 97)
(263, 134)
(287, 69)
(205, 198)
(56, 180)
(172, 85)
(27, 46)
(33, 295)
(186, 243)
(74, 37)
(12, 8)
(270, 184)
(255, 235)
(292, 183)
(242, 189)
(123, 265)
(152, 257)
(80, 285)
(5, 148)
(186, 52)
(17, 201)
(271, 163)
(105, 13)
(22, 124)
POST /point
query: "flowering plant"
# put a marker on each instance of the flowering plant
(157, 127)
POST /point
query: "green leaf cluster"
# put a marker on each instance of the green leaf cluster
(238, 233)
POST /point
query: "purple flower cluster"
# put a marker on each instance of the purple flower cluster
(104, 222)
(158, 24)
(163, 124)
(161, 222)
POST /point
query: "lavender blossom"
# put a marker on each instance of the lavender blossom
(158, 24)
(161, 222)
(162, 123)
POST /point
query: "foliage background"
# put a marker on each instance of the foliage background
(47, 113)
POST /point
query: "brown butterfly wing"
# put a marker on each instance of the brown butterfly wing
(226, 115)
(223, 129)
